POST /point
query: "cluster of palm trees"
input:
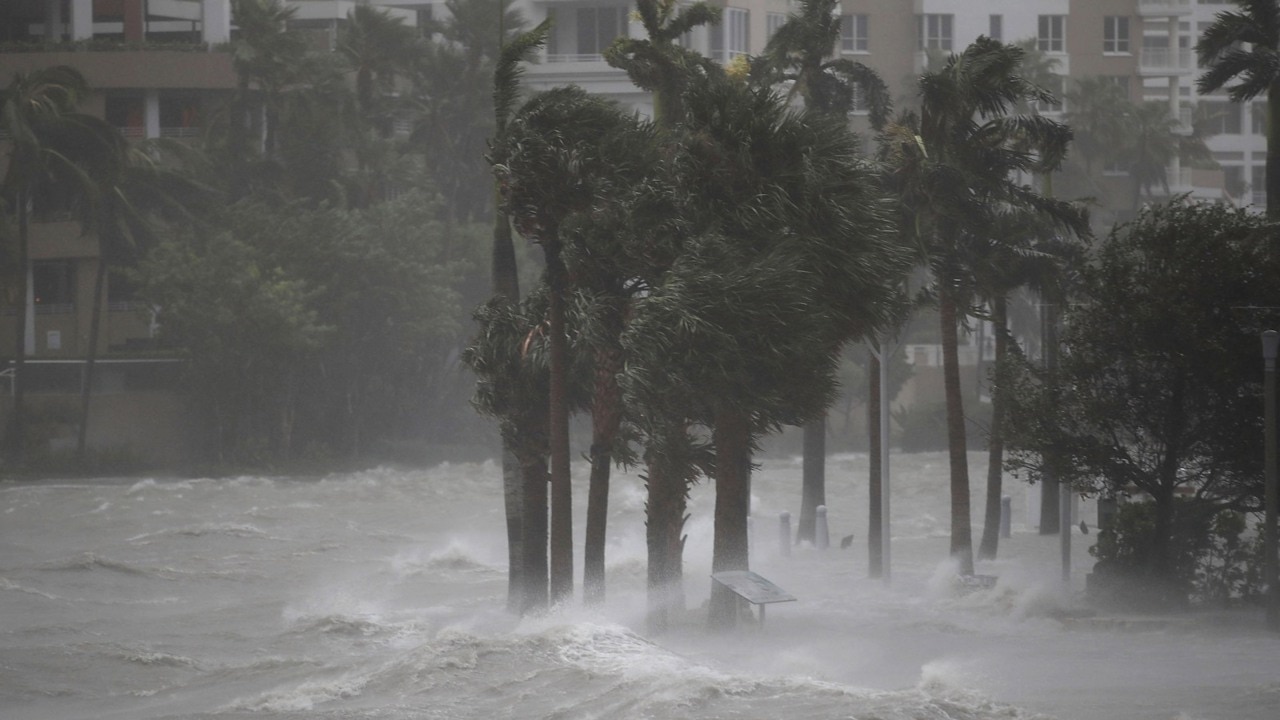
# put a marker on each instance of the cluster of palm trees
(64, 162)
(705, 269)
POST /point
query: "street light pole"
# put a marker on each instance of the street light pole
(1270, 342)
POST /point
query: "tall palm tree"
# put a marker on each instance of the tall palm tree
(135, 188)
(951, 168)
(505, 280)
(1096, 110)
(265, 55)
(1244, 45)
(563, 147)
(377, 45)
(801, 53)
(656, 63)
(48, 137)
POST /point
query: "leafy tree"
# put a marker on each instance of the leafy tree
(1158, 387)
(1244, 45)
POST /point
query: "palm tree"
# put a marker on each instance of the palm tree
(1244, 44)
(47, 138)
(656, 63)
(562, 149)
(377, 45)
(135, 186)
(267, 55)
(951, 168)
(1096, 110)
(506, 288)
(1153, 143)
(800, 53)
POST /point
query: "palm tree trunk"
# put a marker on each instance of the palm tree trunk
(875, 557)
(505, 279)
(533, 573)
(990, 543)
(17, 427)
(91, 357)
(558, 432)
(813, 478)
(961, 531)
(664, 528)
(606, 418)
(732, 437)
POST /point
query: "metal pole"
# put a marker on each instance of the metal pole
(1270, 341)
(885, 571)
(1064, 528)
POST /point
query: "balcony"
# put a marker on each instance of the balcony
(1166, 61)
(1164, 8)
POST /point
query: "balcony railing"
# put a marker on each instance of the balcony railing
(575, 58)
(180, 132)
(1164, 7)
(1166, 60)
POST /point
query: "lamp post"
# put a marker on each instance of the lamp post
(1270, 342)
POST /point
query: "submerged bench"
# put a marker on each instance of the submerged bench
(752, 588)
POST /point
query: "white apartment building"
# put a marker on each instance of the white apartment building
(1145, 46)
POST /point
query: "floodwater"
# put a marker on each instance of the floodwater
(381, 594)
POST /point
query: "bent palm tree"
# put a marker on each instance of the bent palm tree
(951, 170)
(48, 140)
(1244, 44)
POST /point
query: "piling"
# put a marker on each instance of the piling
(784, 533)
(821, 537)
(1006, 516)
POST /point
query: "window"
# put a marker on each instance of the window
(53, 285)
(730, 39)
(854, 33)
(1115, 34)
(772, 22)
(598, 27)
(1052, 36)
(995, 29)
(126, 112)
(934, 31)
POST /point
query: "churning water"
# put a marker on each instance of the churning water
(380, 594)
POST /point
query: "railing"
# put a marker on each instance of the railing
(1166, 60)
(575, 58)
(105, 45)
(55, 308)
(1164, 7)
(133, 132)
(180, 132)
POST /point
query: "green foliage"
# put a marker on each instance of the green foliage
(1159, 385)
(1212, 558)
(307, 325)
